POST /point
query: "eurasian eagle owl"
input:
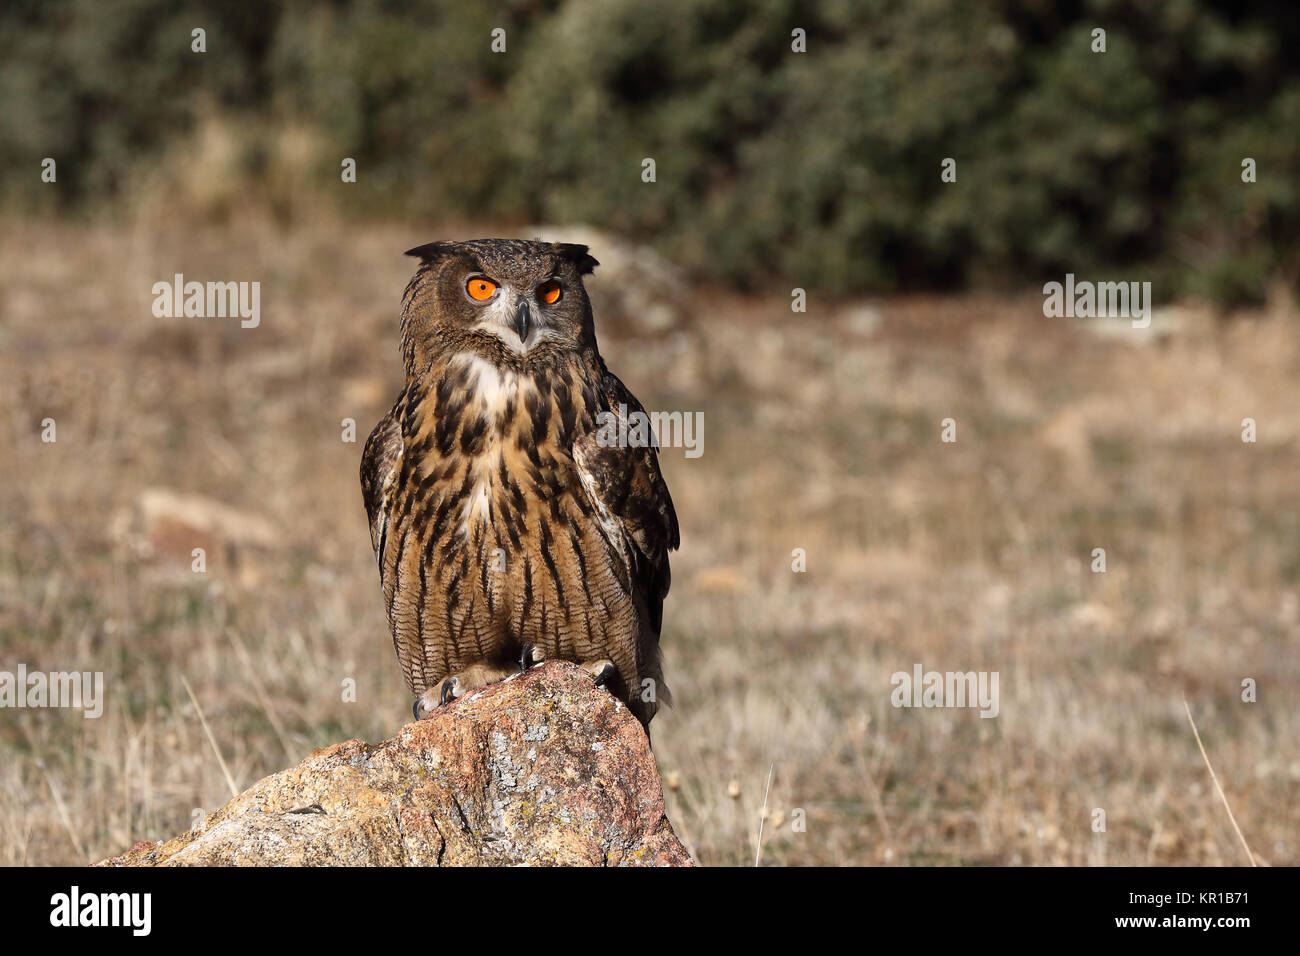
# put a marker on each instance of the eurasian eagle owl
(505, 532)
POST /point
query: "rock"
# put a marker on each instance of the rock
(162, 528)
(541, 768)
(165, 512)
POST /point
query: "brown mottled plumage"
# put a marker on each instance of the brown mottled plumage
(501, 526)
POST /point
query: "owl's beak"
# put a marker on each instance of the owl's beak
(523, 320)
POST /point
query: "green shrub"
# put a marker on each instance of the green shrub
(818, 169)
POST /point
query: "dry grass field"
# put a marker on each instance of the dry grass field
(822, 433)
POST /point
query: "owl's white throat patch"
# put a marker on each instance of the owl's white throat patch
(490, 389)
(492, 386)
(507, 336)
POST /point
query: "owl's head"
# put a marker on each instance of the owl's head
(497, 297)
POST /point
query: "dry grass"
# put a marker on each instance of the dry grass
(822, 433)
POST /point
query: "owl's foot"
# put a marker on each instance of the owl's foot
(601, 671)
(529, 655)
(458, 685)
(433, 698)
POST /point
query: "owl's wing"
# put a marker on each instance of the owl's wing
(380, 464)
(629, 488)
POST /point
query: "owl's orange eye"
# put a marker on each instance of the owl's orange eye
(481, 289)
(549, 292)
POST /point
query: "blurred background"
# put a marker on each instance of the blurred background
(775, 170)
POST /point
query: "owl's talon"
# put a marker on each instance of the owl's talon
(529, 655)
(602, 672)
(450, 691)
(415, 709)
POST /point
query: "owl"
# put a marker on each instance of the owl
(507, 527)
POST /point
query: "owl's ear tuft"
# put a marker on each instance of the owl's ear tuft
(430, 251)
(578, 255)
